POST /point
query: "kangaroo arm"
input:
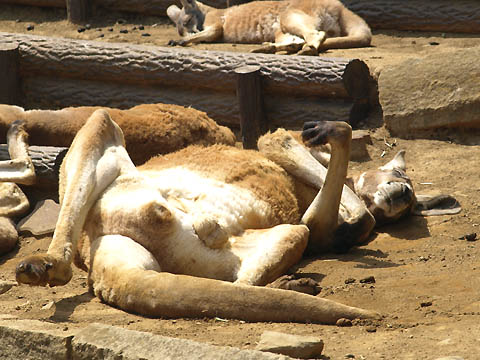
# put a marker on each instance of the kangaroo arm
(20, 168)
(210, 34)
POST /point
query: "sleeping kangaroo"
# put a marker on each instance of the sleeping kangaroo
(197, 233)
(304, 27)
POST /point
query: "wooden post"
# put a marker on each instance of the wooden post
(10, 81)
(78, 11)
(253, 122)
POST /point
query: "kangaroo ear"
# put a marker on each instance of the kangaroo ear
(398, 162)
(173, 12)
(436, 205)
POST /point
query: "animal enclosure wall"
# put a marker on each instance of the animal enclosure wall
(425, 15)
(55, 73)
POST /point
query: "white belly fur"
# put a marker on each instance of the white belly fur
(186, 194)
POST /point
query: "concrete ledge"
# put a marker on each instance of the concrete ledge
(33, 339)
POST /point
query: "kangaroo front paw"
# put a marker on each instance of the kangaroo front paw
(303, 285)
(308, 50)
(210, 232)
(43, 269)
(177, 43)
(321, 132)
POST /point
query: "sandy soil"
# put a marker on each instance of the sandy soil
(426, 280)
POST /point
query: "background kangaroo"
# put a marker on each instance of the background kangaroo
(295, 26)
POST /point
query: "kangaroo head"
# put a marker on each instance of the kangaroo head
(388, 191)
(189, 19)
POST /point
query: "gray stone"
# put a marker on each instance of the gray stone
(99, 341)
(358, 149)
(423, 94)
(42, 220)
(32, 339)
(303, 347)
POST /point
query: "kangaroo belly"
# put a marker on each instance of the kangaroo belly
(252, 22)
(158, 210)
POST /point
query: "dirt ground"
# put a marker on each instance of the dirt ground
(426, 277)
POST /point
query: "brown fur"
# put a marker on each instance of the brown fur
(149, 129)
(288, 26)
(246, 168)
(146, 228)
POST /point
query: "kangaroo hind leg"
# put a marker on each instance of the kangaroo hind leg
(298, 23)
(95, 159)
(125, 274)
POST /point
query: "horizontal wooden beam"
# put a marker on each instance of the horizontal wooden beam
(64, 72)
(150, 66)
(461, 16)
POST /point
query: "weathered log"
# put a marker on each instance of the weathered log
(64, 72)
(253, 122)
(45, 159)
(10, 81)
(461, 16)
(150, 7)
(156, 7)
(78, 11)
(149, 66)
(281, 111)
(41, 3)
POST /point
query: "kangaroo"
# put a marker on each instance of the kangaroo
(198, 232)
(305, 27)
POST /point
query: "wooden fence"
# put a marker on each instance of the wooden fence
(57, 72)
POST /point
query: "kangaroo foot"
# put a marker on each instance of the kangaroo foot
(266, 48)
(308, 51)
(43, 269)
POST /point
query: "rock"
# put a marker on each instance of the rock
(450, 358)
(99, 341)
(303, 347)
(6, 285)
(42, 219)
(368, 280)
(358, 148)
(8, 235)
(13, 201)
(30, 27)
(48, 305)
(344, 322)
(428, 93)
(426, 304)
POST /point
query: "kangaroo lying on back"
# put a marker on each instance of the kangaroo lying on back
(304, 27)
